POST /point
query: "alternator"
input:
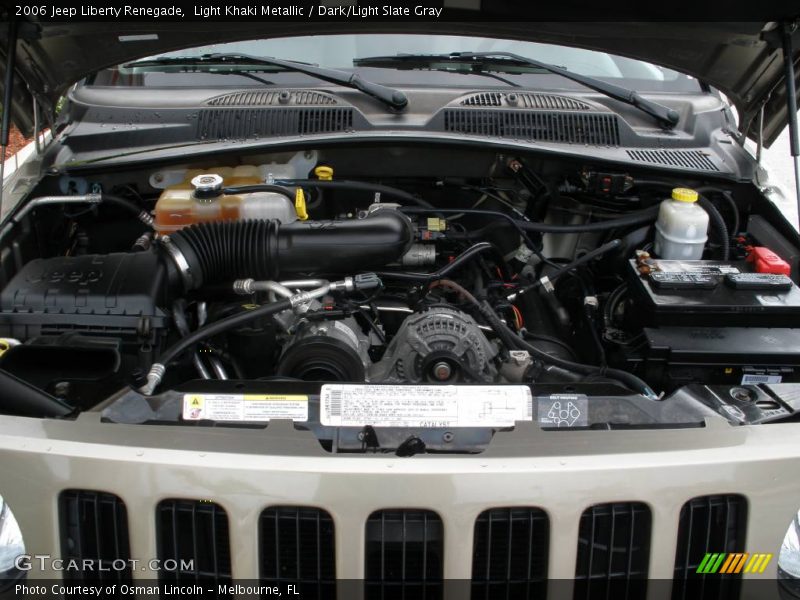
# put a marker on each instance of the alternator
(440, 345)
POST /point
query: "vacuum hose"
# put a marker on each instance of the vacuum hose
(220, 252)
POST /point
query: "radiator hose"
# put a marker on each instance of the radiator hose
(220, 252)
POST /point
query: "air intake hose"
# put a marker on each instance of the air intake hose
(219, 252)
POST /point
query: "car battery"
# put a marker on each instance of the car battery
(710, 293)
(712, 322)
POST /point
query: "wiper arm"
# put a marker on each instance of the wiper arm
(503, 60)
(390, 96)
(665, 115)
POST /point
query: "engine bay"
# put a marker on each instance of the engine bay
(393, 265)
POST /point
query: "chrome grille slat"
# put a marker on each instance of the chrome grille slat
(197, 531)
(510, 553)
(722, 520)
(94, 526)
(404, 555)
(613, 551)
(297, 547)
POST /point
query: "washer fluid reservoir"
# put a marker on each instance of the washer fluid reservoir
(681, 228)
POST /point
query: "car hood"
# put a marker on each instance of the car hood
(741, 59)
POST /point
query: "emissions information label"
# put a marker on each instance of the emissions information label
(424, 405)
(244, 407)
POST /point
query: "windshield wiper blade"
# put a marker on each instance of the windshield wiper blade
(390, 96)
(486, 61)
(428, 62)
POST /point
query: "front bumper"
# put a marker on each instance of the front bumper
(245, 471)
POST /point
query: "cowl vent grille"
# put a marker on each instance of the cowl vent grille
(246, 123)
(575, 128)
(484, 99)
(273, 98)
(525, 100)
(688, 159)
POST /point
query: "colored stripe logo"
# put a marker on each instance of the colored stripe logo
(733, 562)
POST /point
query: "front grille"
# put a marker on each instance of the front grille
(546, 126)
(253, 123)
(404, 549)
(509, 558)
(708, 524)
(297, 547)
(613, 551)
(193, 534)
(404, 555)
(94, 527)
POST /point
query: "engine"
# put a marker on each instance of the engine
(283, 272)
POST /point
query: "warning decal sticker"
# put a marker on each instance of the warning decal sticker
(245, 407)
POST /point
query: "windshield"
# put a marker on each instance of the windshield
(339, 51)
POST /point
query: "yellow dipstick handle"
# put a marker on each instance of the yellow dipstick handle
(300, 204)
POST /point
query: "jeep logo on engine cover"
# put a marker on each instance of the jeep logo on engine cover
(57, 275)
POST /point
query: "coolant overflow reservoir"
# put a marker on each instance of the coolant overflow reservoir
(199, 198)
(681, 228)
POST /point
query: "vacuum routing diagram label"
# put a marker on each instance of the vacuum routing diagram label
(347, 405)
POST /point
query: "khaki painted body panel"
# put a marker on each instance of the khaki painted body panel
(247, 470)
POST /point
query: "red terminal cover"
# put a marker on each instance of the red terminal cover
(767, 261)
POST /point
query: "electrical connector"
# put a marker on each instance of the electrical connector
(367, 281)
